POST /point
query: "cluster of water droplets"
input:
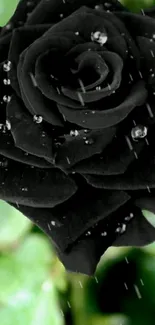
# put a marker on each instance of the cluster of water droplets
(120, 227)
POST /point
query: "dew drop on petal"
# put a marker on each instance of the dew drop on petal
(6, 82)
(74, 133)
(89, 141)
(8, 125)
(37, 119)
(104, 233)
(7, 66)
(139, 132)
(6, 98)
(99, 37)
(24, 189)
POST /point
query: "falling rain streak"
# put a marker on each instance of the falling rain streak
(148, 188)
(126, 287)
(81, 99)
(152, 53)
(82, 85)
(33, 80)
(80, 284)
(149, 110)
(129, 142)
(69, 305)
(137, 291)
(96, 279)
(142, 283)
(130, 146)
(126, 260)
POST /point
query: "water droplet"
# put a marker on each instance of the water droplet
(30, 3)
(98, 88)
(24, 189)
(37, 119)
(107, 5)
(98, 7)
(129, 217)
(6, 82)
(9, 26)
(118, 229)
(4, 163)
(104, 233)
(74, 133)
(7, 66)
(123, 228)
(3, 128)
(99, 37)
(88, 233)
(139, 132)
(8, 125)
(76, 33)
(89, 141)
(6, 98)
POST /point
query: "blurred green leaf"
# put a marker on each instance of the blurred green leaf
(136, 5)
(150, 217)
(13, 225)
(27, 291)
(7, 8)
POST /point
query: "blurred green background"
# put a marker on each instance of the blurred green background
(35, 288)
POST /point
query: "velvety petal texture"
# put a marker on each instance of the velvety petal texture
(77, 124)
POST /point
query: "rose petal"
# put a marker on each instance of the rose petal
(115, 159)
(21, 39)
(8, 150)
(116, 66)
(83, 146)
(35, 187)
(140, 175)
(49, 11)
(28, 135)
(76, 215)
(106, 118)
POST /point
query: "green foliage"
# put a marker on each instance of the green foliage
(13, 225)
(7, 8)
(27, 291)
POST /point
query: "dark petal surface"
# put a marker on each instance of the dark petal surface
(114, 160)
(49, 11)
(106, 118)
(76, 215)
(83, 146)
(28, 135)
(35, 187)
(8, 150)
(21, 39)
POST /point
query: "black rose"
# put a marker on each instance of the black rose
(77, 124)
